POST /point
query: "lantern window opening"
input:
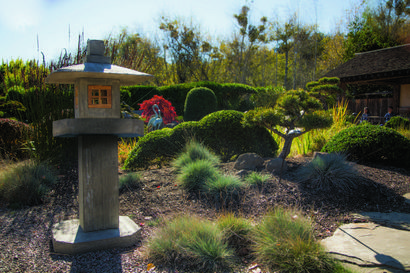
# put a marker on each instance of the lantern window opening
(99, 96)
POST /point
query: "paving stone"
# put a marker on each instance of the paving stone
(371, 247)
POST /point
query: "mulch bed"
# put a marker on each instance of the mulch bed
(25, 234)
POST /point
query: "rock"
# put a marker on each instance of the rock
(171, 125)
(372, 247)
(249, 161)
(407, 198)
(391, 219)
(276, 164)
(319, 154)
(242, 173)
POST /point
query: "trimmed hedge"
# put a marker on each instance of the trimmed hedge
(229, 95)
(371, 143)
(199, 102)
(398, 122)
(222, 132)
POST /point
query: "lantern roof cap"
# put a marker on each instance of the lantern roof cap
(96, 66)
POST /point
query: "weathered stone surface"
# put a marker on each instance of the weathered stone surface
(392, 219)
(98, 126)
(407, 197)
(276, 164)
(69, 238)
(249, 161)
(371, 247)
(319, 154)
(242, 173)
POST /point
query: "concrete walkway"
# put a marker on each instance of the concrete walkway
(375, 246)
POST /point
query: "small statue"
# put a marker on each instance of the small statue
(155, 121)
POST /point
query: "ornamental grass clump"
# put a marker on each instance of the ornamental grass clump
(194, 151)
(256, 179)
(194, 176)
(130, 181)
(188, 241)
(236, 232)
(284, 242)
(224, 189)
(329, 172)
(26, 184)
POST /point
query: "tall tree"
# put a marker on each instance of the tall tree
(284, 36)
(190, 53)
(378, 28)
(240, 51)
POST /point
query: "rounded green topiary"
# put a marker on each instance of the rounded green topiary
(199, 102)
(224, 133)
(154, 146)
(371, 143)
(398, 122)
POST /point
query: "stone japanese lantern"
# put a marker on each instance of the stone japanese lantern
(97, 125)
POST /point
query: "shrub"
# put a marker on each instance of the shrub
(199, 102)
(13, 134)
(194, 151)
(236, 232)
(26, 184)
(167, 110)
(224, 189)
(221, 132)
(129, 181)
(224, 133)
(192, 242)
(329, 172)
(257, 179)
(194, 176)
(398, 122)
(153, 147)
(284, 241)
(371, 143)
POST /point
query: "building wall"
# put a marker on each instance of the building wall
(405, 95)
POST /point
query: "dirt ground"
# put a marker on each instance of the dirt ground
(25, 234)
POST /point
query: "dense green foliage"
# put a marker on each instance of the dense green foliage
(26, 184)
(371, 143)
(329, 172)
(199, 102)
(326, 90)
(13, 135)
(195, 243)
(284, 241)
(398, 122)
(222, 132)
(229, 95)
(294, 109)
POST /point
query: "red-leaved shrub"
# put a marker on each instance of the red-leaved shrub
(167, 110)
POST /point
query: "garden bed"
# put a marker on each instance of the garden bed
(25, 234)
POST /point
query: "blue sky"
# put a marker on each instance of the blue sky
(22, 20)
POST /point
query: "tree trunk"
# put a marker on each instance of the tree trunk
(286, 69)
(286, 147)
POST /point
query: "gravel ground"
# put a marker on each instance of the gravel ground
(25, 234)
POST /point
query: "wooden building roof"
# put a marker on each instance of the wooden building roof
(383, 64)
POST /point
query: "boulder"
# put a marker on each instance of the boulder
(319, 154)
(276, 165)
(249, 161)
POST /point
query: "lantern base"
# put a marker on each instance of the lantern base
(69, 238)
